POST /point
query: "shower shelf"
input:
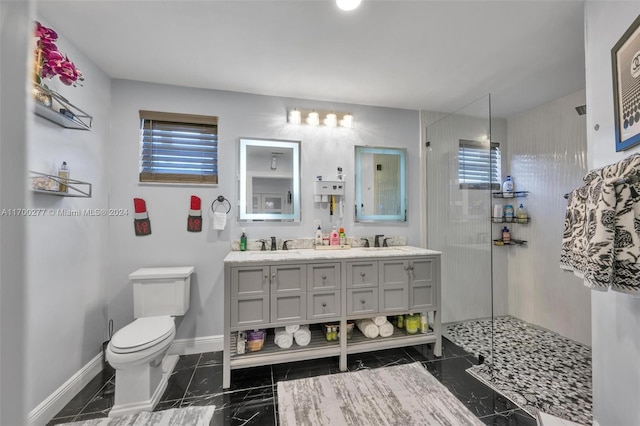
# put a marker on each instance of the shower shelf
(514, 194)
(515, 220)
(512, 242)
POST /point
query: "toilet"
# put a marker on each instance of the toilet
(138, 351)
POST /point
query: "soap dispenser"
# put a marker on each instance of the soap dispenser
(334, 238)
(318, 238)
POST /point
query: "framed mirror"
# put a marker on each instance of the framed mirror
(269, 180)
(380, 184)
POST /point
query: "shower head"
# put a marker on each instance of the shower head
(581, 110)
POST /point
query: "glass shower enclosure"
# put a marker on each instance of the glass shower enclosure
(462, 169)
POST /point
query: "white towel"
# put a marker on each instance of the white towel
(386, 329)
(283, 338)
(292, 328)
(302, 335)
(379, 320)
(219, 220)
(368, 328)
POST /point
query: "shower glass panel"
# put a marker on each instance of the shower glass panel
(462, 169)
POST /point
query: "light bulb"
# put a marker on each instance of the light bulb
(295, 117)
(348, 4)
(313, 119)
(347, 121)
(331, 120)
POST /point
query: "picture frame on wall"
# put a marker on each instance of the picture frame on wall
(625, 60)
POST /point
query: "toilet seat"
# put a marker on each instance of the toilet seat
(142, 333)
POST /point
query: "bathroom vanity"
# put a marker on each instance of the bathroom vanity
(265, 289)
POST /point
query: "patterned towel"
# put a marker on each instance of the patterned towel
(607, 233)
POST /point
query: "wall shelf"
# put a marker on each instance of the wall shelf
(512, 242)
(48, 184)
(520, 220)
(514, 194)
(62, 112)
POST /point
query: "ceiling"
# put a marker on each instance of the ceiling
(431, 55)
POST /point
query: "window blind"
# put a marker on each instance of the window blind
(479, 165)
(178, 148)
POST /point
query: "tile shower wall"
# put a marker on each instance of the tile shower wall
(547, 156)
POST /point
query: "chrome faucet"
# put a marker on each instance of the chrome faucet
(273, 244)
(376, 242)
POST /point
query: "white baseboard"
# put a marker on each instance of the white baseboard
(44, 412)
(52, 405)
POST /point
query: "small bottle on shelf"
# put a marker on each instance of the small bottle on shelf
(521, 214)
(508, 186)
(63, 177)
(506, 235)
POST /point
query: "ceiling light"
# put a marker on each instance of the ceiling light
(316, 118)
(348, 4)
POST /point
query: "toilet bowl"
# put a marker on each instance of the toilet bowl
(139, 351)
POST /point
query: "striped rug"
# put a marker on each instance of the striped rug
(404, 395)
(188, 416)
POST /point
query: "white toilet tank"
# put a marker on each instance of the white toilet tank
(161, 291)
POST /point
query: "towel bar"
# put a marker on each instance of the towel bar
(629, 179)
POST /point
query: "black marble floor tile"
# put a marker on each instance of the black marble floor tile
(166, 405)
(510, 418)
(103, 400)
(59, 420)
(304, 369)
(177, 385)
(186, 362)
(377, 359)
(210, 358)
(208, 380)
(253, 406)
(86, 395)
(479, 398)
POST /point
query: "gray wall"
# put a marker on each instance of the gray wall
(322, 151)
(66, 256)
(547, 156)
(14, 41)
(616, 317)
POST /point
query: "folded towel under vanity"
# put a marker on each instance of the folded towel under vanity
(368, 328)
(292, 328)
(379, 320)
(386, 329)
(302, 336)
(283, 338)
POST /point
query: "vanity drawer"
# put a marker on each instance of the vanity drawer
(362, 274)
(323, 305)
(323, 276)
(249, 281)
(288, 307)
(249, 312)
(362, 301)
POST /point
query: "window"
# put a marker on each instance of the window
(479, 165)
(178, 148)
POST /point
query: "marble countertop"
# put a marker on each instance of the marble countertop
(312, 254)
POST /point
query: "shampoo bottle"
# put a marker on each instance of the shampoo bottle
(243, 241)
(507, 186)
(506, 235)
(521, 214)
(63, 175)
(334, 238)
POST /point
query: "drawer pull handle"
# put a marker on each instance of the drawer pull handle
(406, 268)
(324, 277)
(266, 276)
(324, 305)
(362, 274)
(362, 301)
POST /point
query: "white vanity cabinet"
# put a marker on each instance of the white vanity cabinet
(269, 290)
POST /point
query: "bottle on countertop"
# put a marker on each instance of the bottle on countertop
(334, 238)
(318, 238)
(243, 241)
(506, 235)
(63, 177)
(508, 185)
(343, 238)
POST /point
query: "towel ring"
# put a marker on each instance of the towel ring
(220, 200)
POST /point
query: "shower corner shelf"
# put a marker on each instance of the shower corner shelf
(74, 119)
(515, 220)
(512, 242)
(40, 182)
(514, 194)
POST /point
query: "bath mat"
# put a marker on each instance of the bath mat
(188, 416)
(537, 369)
(406, 395)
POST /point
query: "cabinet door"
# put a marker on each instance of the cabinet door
(362, 301)
(323, 276)
(288, 307)
(362, 274)
(423, 288)
(323, 305)
(394, 285)
(249, 311)
(249, 281)
(288, 278)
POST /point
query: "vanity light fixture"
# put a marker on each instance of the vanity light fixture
(317, 118)
(348, 4)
